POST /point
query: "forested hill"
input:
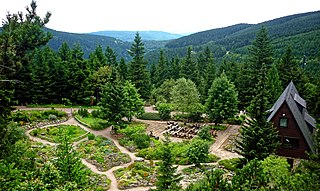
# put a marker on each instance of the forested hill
(301, 31)
(145, 35)
(89, 42)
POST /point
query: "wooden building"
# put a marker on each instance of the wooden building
(296, 127)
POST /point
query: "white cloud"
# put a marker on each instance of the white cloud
(178, 16)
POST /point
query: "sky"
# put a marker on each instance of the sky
(175, 16)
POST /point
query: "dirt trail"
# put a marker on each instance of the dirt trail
(220, 140)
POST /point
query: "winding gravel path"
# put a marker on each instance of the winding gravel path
(157, 126)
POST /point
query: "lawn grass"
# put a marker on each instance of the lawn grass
(93, 123)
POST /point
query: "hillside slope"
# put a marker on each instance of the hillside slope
(145, 35)
(290, 30)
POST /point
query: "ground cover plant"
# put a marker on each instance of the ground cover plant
(24, 117)
(136, 174)
(92, 119)
(54, 133)
(102, 153)
(179, 150)
(134, 136)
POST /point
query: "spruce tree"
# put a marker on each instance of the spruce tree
(137, 71)
(273, 85)
(161, 72)
(122, 70)
(260, 53)
(188, 67)
(133, 105)
(111, 57)
(258, 138)
(222, 100)
(167, 177)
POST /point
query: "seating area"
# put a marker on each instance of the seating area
(184, 132)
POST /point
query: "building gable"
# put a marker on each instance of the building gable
(303, 123)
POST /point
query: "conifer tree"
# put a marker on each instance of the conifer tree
(167, 177)
(260, 53)
(97, 59)
(161, 70)
(111, 57)
(188, 67)
(222, 100)
(137, 71)
(122, 70)
(133, 105)
(273, 84)
(258, 138)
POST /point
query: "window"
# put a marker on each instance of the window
(283, 122)
(290, 142)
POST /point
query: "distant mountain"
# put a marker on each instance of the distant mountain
(300, 31)
(89, 42)
(145, 35)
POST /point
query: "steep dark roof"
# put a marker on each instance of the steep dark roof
(297, 106)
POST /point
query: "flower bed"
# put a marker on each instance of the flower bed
(53, 133)
(136, 175)
(102, 153)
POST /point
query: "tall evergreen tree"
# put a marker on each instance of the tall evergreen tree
(161, 70)
(273, 84)
(137, 71)
(188, 67)
(111, 57)
(260, 53)
(210, 70)
(122, 70)
(97, 59)
(289, 70)
(222, 100)
(167, 176)
(258, 137)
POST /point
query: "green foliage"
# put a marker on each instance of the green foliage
(83, 112)
(163, 93)
(133, 105)
(142, 140)
(204, 133)
(213, 181)
(149, 116)
(231, 164)
(164, 110)
(91, 136)
(167, 177)
(185, 96)
(138, 74)
(258, 137)
(198, 151)
(222, 100)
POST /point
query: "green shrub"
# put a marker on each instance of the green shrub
(91, 136)
(204, 133)
(52, 117)
(83, 112)
(237, 120)
(95, 113)
(218, 127)
(231, 164)
(164, 110)
(141, 140)
(149, 116)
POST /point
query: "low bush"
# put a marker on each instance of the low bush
(91, 136)
(231, 164)
(237, 120)
(164, 110)
(149, 116)
(83, 112)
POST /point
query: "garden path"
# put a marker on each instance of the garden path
(157, 127)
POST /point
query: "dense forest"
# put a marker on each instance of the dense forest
(256, 63)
